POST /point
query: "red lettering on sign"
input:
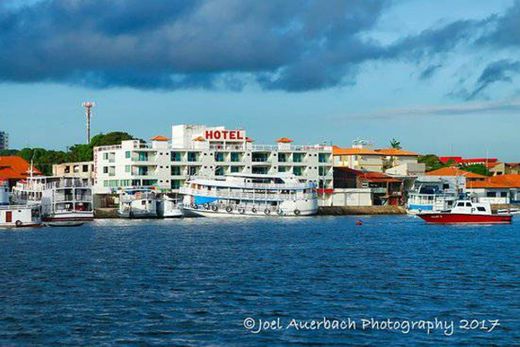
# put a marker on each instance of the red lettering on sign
(208, 135)
(232, 135)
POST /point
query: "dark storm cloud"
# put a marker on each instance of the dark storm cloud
(292, 45)
(429, 71)
(498, 71)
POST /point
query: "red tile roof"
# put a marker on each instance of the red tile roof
(13, 167)
(454, 171)
(159, 138)
(284, 140)
(353, 151)
(500, 181)
(396, 152)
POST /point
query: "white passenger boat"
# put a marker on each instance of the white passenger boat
(16, 216)
(65, 201)
(168, 207)
(250, 195)
(137, 203)
(432, 194)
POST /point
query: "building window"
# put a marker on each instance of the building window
(298, 157)
(128, 154)
(85, 168)
(176, 170)
(503, 194)
(193, 156)
(235, 157)
(128, 168)
(176, 156)
(323, 158)
(105, 156)
(219, 171)
(219, 156)
(105, 169)
(491, 194)
(235, 169)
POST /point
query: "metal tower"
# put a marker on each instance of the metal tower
(88, 106)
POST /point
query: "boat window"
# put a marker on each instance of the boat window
(460, 204)
(468, 204)
(480, 208)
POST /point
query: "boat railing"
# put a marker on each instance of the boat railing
(18, 207)
(246, 195)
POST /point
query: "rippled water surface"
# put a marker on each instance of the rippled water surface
(195, 281)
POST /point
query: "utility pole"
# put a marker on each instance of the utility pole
(88, 112)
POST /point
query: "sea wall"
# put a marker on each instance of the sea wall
(360, 210)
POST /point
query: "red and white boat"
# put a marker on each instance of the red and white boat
(467, 212)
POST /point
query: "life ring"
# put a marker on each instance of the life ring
(267, 211)
(18, 223)
(253, 210)
(214, 208)
(297, 212)
(229, 209)
(242, 210)
(280, 212)
(206, 206)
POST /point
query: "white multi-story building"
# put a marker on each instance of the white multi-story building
(197, 150)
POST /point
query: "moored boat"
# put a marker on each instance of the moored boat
(237, 195)
(137, 203)
(168, 207)
(65, 201)
(17, 216)
(467, 212)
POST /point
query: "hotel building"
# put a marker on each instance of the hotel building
(197, 150)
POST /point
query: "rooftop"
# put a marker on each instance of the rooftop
(454, 171)
(501, 181)
(14, 167)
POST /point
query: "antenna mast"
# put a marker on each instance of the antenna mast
(88, 113)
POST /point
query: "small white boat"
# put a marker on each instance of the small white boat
(17, 216)
(238, 195)
(137, 203)
(168, 207)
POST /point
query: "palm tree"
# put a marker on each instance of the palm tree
(395, 144)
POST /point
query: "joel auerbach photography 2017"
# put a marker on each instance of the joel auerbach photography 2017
(259, 173)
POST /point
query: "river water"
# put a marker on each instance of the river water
(261, 281)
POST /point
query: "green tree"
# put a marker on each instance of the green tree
(113, 138)
(395, 144)
(477, 168)
(43, 159)
(431, 161)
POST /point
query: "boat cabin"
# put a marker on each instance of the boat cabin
(470, 207)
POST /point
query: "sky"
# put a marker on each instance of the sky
(440, 76)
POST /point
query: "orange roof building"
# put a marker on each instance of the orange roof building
(454, 171)
(501, 181)
(284, 140)
(160, 138)
(14, 168)
(395, 152)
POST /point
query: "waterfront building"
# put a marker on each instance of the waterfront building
(198, 150)
(4, 140)
(502, 189)
(383, 189)
(83, 170)
(505, 168)
(14, 169)
(361, 156)
(453, 171)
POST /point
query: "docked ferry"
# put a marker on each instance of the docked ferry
(16, 216)
(432, 194)
(65, 201)
(250, 195)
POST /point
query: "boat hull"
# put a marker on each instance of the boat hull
(201, 212)
(461, 218)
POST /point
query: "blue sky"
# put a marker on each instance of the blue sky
(442, 77)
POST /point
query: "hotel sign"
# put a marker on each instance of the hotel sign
(225, 135)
